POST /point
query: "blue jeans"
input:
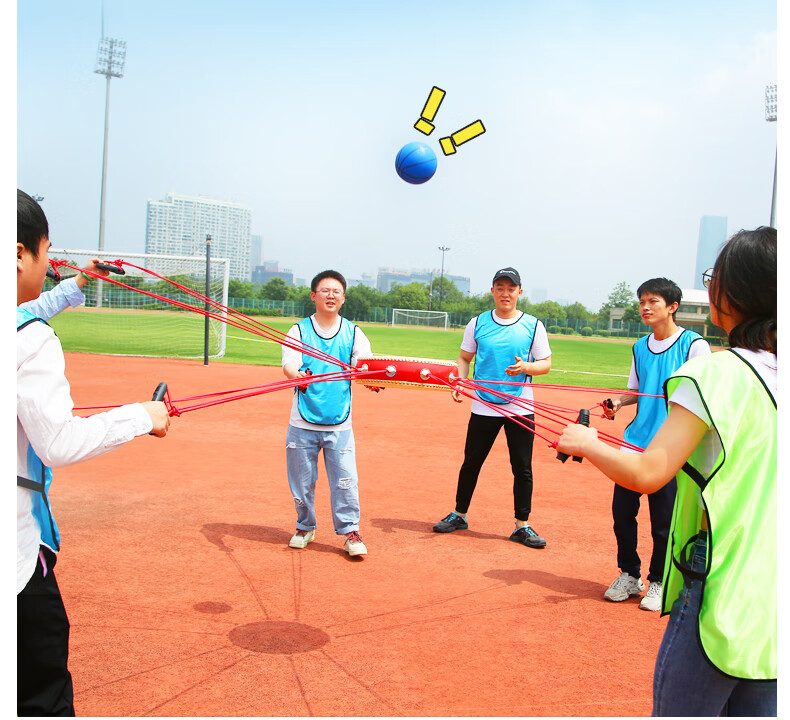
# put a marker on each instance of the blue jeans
(302, 448)
(685, 682)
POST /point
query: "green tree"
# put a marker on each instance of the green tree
(412, 296)
(445, 294)
(275, 289)
(621, 296)
(359, 301)
(549, 309)
(631, 314)
(578, 312)
(299, 294)
(242, 289)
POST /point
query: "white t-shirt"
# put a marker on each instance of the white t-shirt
(697, 349)
(290, 355)
(687, 396)
(540, 351)
(44, 420)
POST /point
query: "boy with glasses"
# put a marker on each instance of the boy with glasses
(321, 416)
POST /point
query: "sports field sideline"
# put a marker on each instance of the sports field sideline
(587, 362)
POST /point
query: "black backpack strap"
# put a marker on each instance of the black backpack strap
(29, 484)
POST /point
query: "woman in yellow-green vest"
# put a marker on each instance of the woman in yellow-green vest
(718, 655)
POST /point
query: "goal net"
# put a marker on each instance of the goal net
(427, 318)
(120, 321)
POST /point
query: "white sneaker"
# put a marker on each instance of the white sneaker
(354, 544)
(623, 587)
(302, 538)
(652, 598)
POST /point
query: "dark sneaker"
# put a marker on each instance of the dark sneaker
(527, 536)
(451, 523)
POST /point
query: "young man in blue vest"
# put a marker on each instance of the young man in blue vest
(48, 436)
(321, 416)
(507, 345)
(655, 359)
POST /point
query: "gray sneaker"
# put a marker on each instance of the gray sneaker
(623, 587)
(451, 523)
(652, 599)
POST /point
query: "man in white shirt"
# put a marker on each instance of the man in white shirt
(321, 416)
(48, 436)
(508, 345)
(655, 358)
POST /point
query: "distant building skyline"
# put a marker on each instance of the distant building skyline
(712, 235)
(178, 225)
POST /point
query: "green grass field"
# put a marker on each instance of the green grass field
(575, 361)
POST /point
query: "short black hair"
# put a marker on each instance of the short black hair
(745, 275)
(31, 223)
(662, 287)
(334, 274)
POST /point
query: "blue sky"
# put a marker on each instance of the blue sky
(611, 129)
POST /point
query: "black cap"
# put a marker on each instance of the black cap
(509, 273)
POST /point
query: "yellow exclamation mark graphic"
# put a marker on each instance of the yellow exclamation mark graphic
(465, 134)
(424, 124)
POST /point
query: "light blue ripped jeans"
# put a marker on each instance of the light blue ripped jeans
(301, 451)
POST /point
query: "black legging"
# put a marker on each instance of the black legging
(480, 436)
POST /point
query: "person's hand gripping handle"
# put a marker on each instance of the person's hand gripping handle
(583, 419)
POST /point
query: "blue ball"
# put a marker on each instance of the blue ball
(416, 163)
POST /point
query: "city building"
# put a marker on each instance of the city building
(538, 295)
(387, 277)
(712, 235)
(178, 225)
(263, 273)
(256, 252)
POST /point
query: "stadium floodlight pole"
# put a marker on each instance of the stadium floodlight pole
(441, 284)
(110, 62)
(208, 294)
(770, 116)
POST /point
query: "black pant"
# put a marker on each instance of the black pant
(625, 506)
(43, 685)
(480, 436)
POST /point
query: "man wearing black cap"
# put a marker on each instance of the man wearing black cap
(496, 338)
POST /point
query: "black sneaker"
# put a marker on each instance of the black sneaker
(527, 536)
(451, 523)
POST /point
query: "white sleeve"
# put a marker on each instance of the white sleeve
(44, 407)
(469, 344)
(540, 345)
(633, 378)
(698, 349)
(687, 395)
(290, 355)
(50, 303)
(361, 345)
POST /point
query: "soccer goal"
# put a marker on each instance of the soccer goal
(118, 321)
(429, 318)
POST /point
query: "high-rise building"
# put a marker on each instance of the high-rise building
(256, 252)
(712, 235)
(178, 225)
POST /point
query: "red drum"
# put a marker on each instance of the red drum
(396, 371)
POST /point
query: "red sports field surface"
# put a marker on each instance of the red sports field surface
(185, 599)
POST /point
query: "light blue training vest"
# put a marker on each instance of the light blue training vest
(326, 403)
(497, 347)
(39, 475)
(652, 371)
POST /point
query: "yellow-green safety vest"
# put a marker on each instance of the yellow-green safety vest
(737, 619)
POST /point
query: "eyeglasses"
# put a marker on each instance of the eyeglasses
(707, 276)
(331, 291)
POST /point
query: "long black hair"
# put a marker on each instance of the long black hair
(745, 275)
